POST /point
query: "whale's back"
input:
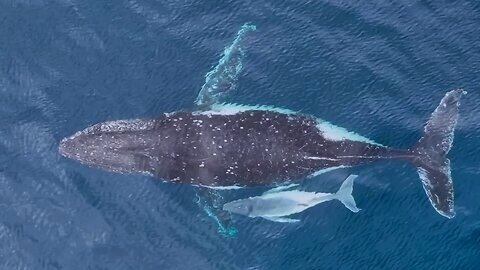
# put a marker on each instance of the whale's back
(248, 148)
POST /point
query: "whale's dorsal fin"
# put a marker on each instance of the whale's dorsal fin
(280, 188)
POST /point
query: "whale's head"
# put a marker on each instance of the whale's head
(245, 207)
(240, 207)
(121, 146)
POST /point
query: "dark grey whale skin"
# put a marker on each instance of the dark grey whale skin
(256, 148)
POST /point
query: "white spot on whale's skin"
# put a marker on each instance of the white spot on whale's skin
(147, 173)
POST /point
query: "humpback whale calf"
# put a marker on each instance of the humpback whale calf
(240, 146)
(277, 203)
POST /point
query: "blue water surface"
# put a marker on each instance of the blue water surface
(378, 68)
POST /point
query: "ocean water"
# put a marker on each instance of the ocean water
(378, 68)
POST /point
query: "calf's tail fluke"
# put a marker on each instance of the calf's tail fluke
(344, 194)
(431, 150)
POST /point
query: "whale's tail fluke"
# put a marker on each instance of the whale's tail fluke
(432, 164)
(344, 194)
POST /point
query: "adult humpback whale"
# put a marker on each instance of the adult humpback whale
(253, 146)
(229, 146)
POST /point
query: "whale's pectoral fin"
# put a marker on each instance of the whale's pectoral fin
(222, 78)
(282, 219)
(211, 201)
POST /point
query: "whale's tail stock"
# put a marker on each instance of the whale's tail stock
(430, 151)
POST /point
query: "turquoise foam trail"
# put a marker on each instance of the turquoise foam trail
(222, 79)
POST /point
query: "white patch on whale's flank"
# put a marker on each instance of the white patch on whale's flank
(232, 109)
(329, 131)
(322, 171)
(323, 158)
(375, 157)
(336, 133)
(221, 187)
